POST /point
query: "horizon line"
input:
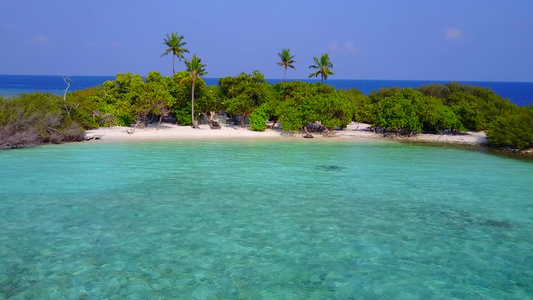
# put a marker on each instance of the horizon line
(294, 79)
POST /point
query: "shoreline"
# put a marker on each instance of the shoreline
(353, 132)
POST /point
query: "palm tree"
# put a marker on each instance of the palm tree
(174, 44)
(286, 60)
(323, 65)
(195, 69)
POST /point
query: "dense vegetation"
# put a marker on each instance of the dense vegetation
(35, 119)
(453, 107)
(132, 100)
(184, 97)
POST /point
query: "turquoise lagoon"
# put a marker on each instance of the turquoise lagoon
(264, 220)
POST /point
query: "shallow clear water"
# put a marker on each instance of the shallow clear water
(264, 220)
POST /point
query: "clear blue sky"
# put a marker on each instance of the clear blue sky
(478, 40)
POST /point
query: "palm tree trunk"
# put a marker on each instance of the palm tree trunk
(173, 64)
(192, 102)
(285, 75)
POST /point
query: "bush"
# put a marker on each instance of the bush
(514, 130)
(258, 118)
(34, 119)
(183, 115)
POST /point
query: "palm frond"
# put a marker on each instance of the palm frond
(323, 65)
(195, 67)
(185, 79)
(166, 52)
(286, 58)
(315, 74)
(175, 45)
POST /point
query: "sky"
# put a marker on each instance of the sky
(474, 40)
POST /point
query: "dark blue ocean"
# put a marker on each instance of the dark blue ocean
(520, 93)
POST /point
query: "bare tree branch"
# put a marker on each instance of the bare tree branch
(68, 108)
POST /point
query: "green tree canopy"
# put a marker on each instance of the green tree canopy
(181, 94)
(408, 111)
(304, 103)
(357, 100)
(243, 93)
(513, 129)
(209, 101)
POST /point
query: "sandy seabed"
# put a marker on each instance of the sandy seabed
(354, 131)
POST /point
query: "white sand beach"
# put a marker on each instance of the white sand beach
(171, 132)
(362, 130)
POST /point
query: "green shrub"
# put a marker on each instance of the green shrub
(258, 118)
(514, 130)
(32, 119)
